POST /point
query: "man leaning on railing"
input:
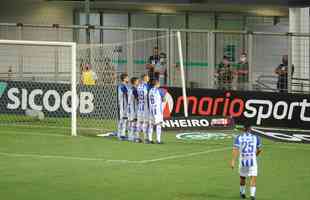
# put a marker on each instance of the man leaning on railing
(281, 71)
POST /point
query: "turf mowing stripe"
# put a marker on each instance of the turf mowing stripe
(56, 127)
(112, 161)
(294, 148)
(32, 134)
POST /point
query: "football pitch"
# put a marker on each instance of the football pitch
(47, 163)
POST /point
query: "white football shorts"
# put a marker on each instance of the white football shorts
(248, 171)
(123, 114)
(156, 119)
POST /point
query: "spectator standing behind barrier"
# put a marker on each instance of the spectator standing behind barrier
(242, 73)
(89, 77)
(281, 71)
(224, 74)
(157, 66)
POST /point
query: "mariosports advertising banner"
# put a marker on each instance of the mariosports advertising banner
(259, 108)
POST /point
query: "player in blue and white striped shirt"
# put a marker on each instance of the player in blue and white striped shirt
(122, 91)
(143, 105)
(156, 99)
(133, 133)
(248, 147)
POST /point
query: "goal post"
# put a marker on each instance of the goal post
(182, 74)
(50, 44)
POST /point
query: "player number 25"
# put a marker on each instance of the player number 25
(247, 147)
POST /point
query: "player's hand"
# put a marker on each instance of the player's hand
(232, 164)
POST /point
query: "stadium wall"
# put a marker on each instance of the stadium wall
(36, 13)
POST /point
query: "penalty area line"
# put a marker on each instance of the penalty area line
(38, 156)
(183, 155)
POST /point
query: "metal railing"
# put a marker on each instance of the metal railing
(203, 52)
(269, 83)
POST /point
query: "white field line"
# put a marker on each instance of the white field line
(56, 127)
(184, 155)
(32, 133)
(112, 161)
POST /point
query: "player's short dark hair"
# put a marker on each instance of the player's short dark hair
(133, 80)
(123, 76)
(154, 81)
(247, 126)
(156, 47)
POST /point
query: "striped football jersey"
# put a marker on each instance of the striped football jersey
(248, 144)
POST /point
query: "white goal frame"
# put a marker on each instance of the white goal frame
(71, 45)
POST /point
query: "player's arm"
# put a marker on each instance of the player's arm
(258, 152)
(135, 93)
(235, 153)
(123, 91)
(162, 93)
(258, 146)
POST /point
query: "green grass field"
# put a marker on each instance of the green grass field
(46, 163)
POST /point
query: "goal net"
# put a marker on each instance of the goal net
(36, 84)
(41, 82)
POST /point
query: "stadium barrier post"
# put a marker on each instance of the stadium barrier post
(250, 59)
(130, 65)
(290, 62)
(211, 59)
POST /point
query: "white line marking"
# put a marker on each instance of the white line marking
(55, 127)
(50, 156)
(281, 129)
(32, 133)
(112, 161)
(184, 155)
